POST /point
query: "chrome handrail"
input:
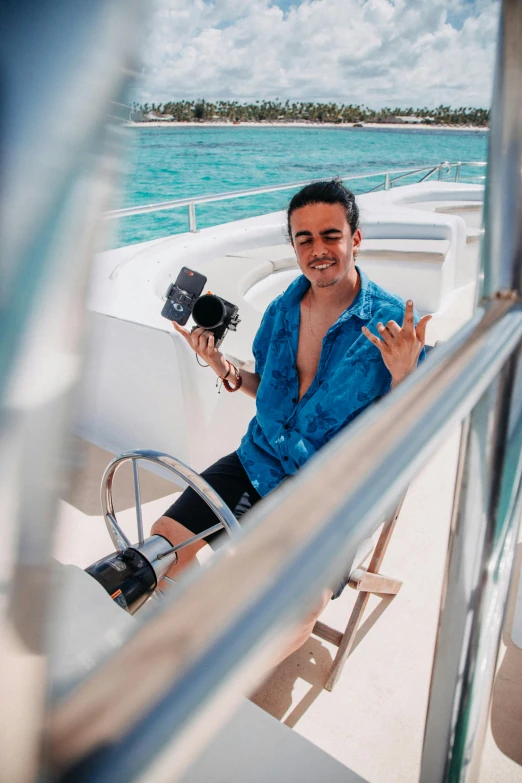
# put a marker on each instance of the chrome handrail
(233, 194)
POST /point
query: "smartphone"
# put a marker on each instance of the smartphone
(182, 294)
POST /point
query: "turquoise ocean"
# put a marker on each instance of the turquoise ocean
(180, 162)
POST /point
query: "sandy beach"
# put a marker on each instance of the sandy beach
(338, 126)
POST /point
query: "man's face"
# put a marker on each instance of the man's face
(323, 243)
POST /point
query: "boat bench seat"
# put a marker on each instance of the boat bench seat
(280, 256)
(413, 268)
(432, 251)
(417, 269)
(469, 210)
(455, 208)
(276, 254)
(447, 206)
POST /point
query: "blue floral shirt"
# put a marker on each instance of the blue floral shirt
(285, 431)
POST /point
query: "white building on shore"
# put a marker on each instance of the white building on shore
(412, 119)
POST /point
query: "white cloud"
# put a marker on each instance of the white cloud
(373, 52)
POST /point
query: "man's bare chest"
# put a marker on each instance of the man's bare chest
(308, 356)
(311, 334)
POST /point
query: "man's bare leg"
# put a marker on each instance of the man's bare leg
(306, 626)
(176, 533)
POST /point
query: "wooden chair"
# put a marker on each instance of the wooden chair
(366, 581)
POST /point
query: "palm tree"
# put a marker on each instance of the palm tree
(270, 110)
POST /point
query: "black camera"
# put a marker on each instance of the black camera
(209, 311)
(216, 315)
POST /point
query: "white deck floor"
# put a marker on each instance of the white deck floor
(373, 722)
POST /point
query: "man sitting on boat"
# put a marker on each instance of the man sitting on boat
(327, 348)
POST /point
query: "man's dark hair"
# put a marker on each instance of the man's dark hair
(328, 192)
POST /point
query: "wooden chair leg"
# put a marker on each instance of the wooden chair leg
(327, 633)
(365, 582)
(368, 580)
(347, 640)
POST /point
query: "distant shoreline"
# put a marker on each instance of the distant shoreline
(297, 124)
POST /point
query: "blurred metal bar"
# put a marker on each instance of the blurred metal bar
(474, 716)
(187, 202)
(503, 199)
(311, 528)
(460, 687)
(192, 540)
(66, 61)
(472, 610)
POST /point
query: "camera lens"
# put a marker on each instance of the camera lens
(208, 311)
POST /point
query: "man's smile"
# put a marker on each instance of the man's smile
(322, 265)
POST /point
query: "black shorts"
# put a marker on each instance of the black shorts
(228, 477)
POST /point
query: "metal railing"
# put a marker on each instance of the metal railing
(389, 179)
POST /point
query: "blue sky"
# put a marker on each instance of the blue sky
(373, 52)
(285, 4)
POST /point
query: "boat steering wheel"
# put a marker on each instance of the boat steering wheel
(226, 519)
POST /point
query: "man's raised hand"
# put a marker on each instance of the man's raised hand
(202, 342)
(400, 347)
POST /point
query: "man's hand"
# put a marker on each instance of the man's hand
(400, 347)
(202, 342)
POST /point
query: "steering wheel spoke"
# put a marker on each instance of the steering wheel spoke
(137, 498)
(148, 547)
